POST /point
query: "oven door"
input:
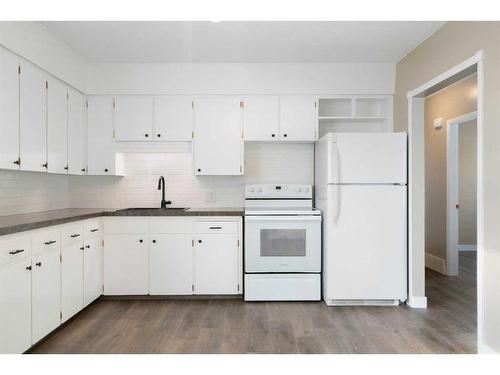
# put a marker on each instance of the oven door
(282, 244)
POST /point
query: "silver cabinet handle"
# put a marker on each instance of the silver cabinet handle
(14, 252)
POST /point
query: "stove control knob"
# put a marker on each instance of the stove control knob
(306, 190)
(251, 190)
(299, 190)
(259, 190)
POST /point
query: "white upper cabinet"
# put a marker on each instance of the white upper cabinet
(218, 141)
(101, 153)
(77, 133)
(33, 116)
(173, 118)
(133, 118)
(298, 118)
(57, 127)
(9, 109)
(261, 118)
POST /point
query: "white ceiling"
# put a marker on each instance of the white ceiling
(234, 41)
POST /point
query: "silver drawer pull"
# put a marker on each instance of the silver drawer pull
(14, 252)
(215, 227)
(50, 242)
(75, 235)
(94, 230)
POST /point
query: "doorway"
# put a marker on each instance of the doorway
(417, 297)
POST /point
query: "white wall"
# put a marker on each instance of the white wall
(37, 44)
(241, 78)
(264, 163)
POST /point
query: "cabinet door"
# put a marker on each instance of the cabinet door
(298, 118)
(173, 118)
(57, 127)
(216, 264)
(126, 265)
(261, 118)
(92, 270)
(15, 307)
(171, 264)
(101, 154)
(133, 118)
(218, 141)
(71, 280)
(45, 294)
(9, 109)
(77, 133)
(33, 118)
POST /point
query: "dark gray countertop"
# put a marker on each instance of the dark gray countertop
(24, 222)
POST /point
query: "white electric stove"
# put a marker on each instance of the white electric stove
(282, 244)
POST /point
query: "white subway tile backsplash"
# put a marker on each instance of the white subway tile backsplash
(22, 192)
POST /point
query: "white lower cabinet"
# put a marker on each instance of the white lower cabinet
(126, 264)
(15, 307)
(171, 264)
(92, 270)
(216, 264)
(71, 280)
(45, 294)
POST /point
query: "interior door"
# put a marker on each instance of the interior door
(216, 264)
(57, 127)
(133, 118)
(367, 257)
(46, 294)
(9, 109)
(171, 264)
(71, 280)
(92, 270)
(32, 118)
(173, 118)
(15, 307)
(261, 118)
(101, 154)
(126, 265)
(77, 133)
(218, 141)
(368, 158)
(298, 118)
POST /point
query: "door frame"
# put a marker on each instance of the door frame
(452, 192)
(416, 182)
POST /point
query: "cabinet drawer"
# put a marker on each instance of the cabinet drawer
(171, 226)
(92, 228)
(216, 227)
(126, 226)
(45, 242)
(71, 234)
(14, 250)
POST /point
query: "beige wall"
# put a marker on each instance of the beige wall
(467, 173)
(453, 101)
(452, 44)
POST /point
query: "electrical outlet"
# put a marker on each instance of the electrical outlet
(210, 196)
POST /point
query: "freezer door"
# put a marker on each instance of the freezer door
(368, 158)
(367, 247)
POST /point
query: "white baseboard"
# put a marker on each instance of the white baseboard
(485, 349)
(417, 302)
(467, 247)
(435, 263)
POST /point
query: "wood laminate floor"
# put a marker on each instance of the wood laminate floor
(234, 326)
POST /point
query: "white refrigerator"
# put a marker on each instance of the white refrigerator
(361, 188)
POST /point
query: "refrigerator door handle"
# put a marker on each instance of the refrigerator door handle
(336, 203)
(336, 181)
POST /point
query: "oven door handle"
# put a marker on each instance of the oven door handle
(282, 218)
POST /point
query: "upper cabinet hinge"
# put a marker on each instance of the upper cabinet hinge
(238, 287)
(113, 134)
(114, 103)
(192, 104)
(192, 287)
(238, 243)
(67, 95)
(19, 69)
(192, 243)
(315, 104)
(241, 168)
(242, 104)
(86, 103)
(102, 243)
(242, 135)
(60, 315)
(192, 135)
(60, 258)
(46, 84)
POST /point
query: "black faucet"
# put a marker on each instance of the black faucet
(161, 185)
